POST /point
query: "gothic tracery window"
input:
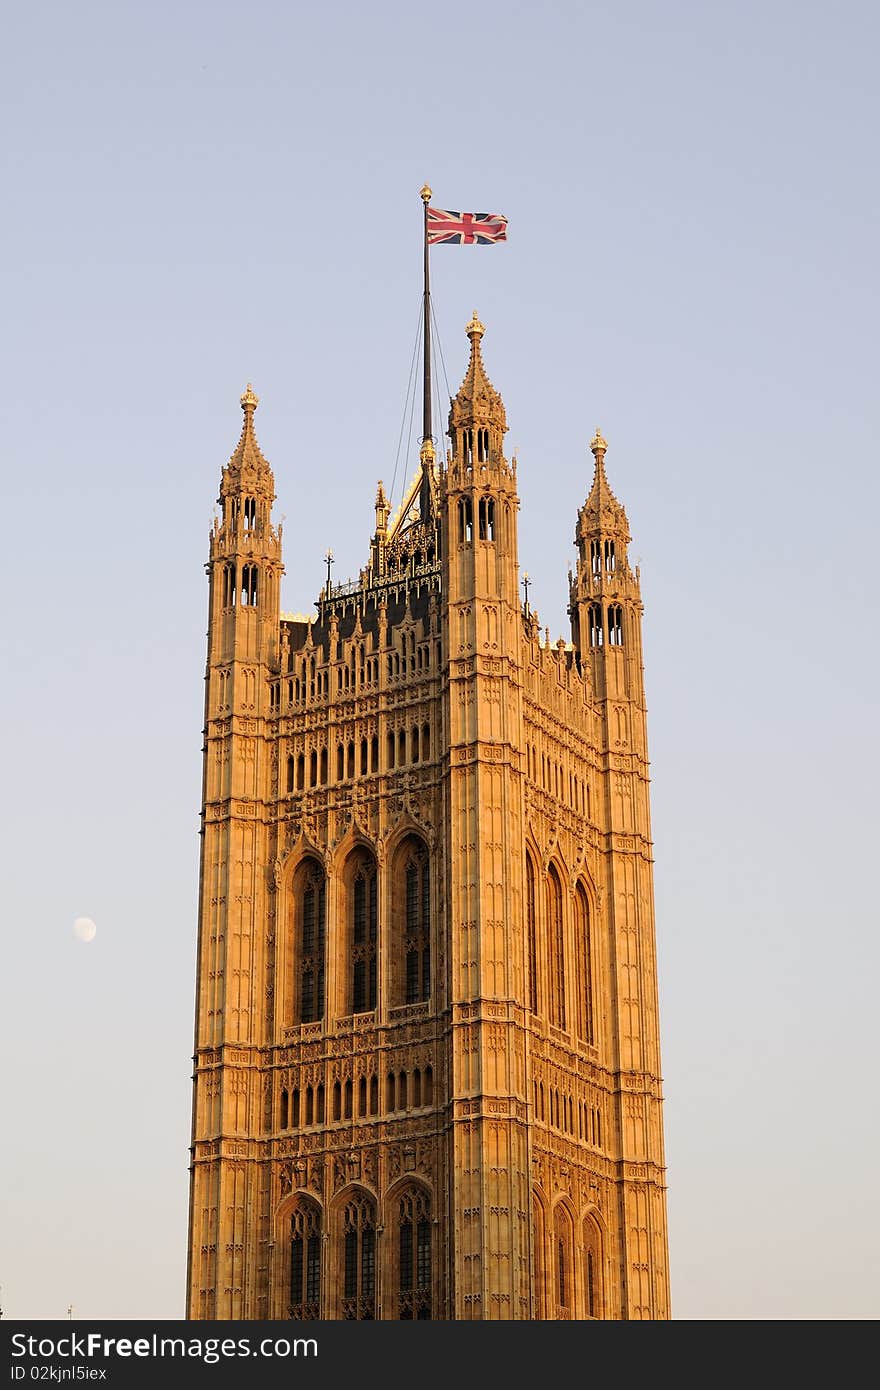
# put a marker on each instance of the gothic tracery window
(414, 1255)
(310, 900)
(540, 1303)
(593, 1284)
(531, 934)
(563, 1266)
(586, 1026)
(412, 922)
(305, 1262)
(359, 1260)
(556, 944)
(363, 933)
(465, 521)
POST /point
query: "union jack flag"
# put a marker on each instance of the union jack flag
(465, 228)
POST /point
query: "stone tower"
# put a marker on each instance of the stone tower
(427, 1073)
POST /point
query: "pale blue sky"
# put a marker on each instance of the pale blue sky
(198, 195)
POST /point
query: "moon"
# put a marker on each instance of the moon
(84, 929)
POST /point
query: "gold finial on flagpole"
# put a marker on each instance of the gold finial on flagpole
(427, 194)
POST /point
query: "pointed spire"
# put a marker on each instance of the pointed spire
(383, 510)
(477, 401)
(247, 464)
(602, 512)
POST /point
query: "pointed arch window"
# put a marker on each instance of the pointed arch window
(414, 1269)
(411, 916)
(229, 586)
(597, 635)
(563, 1266)
(359, 1260)
(249, 586)
(363, 933)
(487, 519)
(593, 1282)
(250, 513)
(596, 557)
(540, 1294)
(465, 521)
(305, 1263)
(531, 934)
(610, 560)
(310, 905)
(586, 1027)
(556, 941)
(615, 625)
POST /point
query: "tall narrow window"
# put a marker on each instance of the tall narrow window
(556, 942)
(414, 1256)
(465, 521)
(531, 934)
(486, 516)
(309, 896)
(411, 923)
(585, 967)
(363, 935)
(305, 1263)
(249, 585)
(595, 621)
(610, 561)
(229, 586)
(593, 1290)
(596, 557)
(359, 1260)
(540, 1293)
(615, 625)
(562, 1245)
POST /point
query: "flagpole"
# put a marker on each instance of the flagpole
(426, 408)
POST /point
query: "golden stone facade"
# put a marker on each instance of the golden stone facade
(427, 1068)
